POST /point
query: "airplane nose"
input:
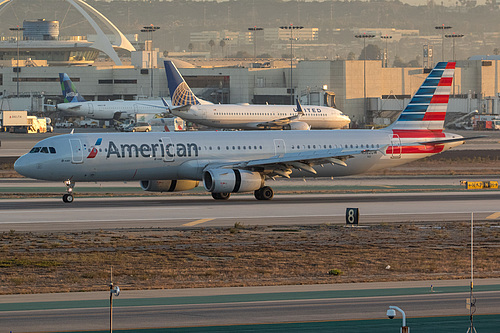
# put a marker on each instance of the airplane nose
(24, 166)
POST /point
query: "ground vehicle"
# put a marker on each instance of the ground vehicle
(487, 122)
(138, 127)
(20, 122)
(64, 124)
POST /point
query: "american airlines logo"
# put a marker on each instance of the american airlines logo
(94, 150)
(148, 150)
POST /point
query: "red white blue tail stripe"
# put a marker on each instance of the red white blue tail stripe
(427, 108)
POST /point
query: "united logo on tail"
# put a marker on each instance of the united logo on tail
(180, 93)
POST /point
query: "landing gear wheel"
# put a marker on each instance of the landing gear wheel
(221, 196)
(264, 193)
(68, 198)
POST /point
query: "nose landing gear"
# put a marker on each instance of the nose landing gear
(68, 197)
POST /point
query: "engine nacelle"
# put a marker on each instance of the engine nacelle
(232, 180)
(298, 125)
(168, 185)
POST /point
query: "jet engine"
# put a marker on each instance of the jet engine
(298, 125)
(232, 180)
(168, 185)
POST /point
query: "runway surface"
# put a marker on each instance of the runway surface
(243, 306)
(194, 211)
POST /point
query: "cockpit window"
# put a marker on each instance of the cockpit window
(52, 150)
(44, 150)
(35, 150)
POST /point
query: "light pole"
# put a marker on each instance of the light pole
(291, 27)
(113, 290)
(442, 28)
(386, 37)
(150, 29)
(364, 37)
(454, 36)
(391, 313)
(254, 33)
(17, 29)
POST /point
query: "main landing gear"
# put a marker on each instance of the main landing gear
(68, 197)
(264, 193)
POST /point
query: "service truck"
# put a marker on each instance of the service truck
(487, 122)
(20, 122)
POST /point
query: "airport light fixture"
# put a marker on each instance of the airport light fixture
(17, 29)
(254, 30)
(453, 37)
(291, 27)
(386, 60)
(442, 28)
(391, 313)
(149, 30)
(364, 36)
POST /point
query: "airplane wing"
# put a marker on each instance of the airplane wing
(278, 122)
(282, 165)
(66, 107)
(283, 121)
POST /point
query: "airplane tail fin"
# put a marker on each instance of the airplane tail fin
(180, 93)
(69, 91)
(427, 108)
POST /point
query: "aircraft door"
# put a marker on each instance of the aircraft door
(169, 149)
(396, 146)
(279, 147)
(76, 151)
(91, 109)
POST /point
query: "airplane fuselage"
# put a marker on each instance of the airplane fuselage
(254, 116)
(107, 110)
(148, 156)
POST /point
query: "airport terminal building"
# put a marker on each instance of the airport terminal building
(338, 82)
(105, 68)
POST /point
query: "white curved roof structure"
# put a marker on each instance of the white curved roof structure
(102, 43)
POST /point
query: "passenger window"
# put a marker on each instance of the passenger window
(52, 150)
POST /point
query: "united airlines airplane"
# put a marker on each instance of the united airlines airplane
(76, 105)
(229, 162)
(245, 116)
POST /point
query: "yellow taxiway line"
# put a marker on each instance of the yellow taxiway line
(190, 224)
(493, 216)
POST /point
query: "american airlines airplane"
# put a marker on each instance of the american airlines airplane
(76, 105)
(245, 116)
(228, 162)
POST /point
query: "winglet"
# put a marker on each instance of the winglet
(300, 110)
(166, 105)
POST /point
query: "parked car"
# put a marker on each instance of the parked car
(138, 127)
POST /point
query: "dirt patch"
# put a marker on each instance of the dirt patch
(243, 256)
